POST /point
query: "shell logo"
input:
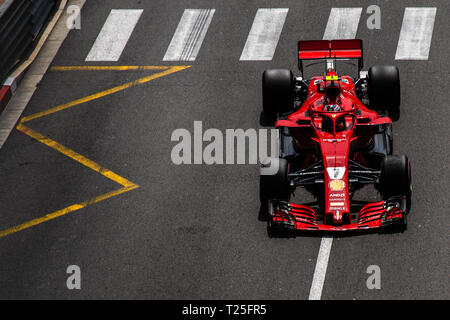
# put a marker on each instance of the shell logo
(337, 185)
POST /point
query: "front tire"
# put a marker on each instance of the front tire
(274, 184)
(395, 179)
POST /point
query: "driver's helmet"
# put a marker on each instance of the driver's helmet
(332, 107)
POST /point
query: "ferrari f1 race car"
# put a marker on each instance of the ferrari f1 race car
(335, 137)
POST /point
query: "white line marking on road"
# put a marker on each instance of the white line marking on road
(342, 23)
(114, 35)
(264, 34)
(321, 268)
(188, 37)
(415, 36)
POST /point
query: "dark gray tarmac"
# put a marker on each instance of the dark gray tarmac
(192, 231)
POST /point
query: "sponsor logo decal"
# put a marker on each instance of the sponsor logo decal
(335, 140)
(337, 185)
(336, 172)
(336, 204)
(337, 195)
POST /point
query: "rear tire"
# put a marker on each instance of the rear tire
(278, 92)
(384, 90)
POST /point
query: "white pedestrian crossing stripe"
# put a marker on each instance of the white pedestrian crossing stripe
(189, 35)
(416, 33)
(342, 23)
(413, 44)
(264, 34)
(114, 35)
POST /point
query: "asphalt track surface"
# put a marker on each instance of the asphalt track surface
(192, 231)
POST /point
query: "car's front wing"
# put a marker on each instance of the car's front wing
(300, 217)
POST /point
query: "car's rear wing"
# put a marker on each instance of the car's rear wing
(330, 49)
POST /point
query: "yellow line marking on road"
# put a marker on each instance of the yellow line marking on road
(101, 94)
(64, 211)
(126, 184)
(74, 155)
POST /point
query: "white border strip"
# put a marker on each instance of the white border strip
(321, 268)
(264, 34)
(115, 33)
(342, 23)
(189, 35)
(415, 36)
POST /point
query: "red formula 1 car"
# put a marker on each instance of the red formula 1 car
(335, 137)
